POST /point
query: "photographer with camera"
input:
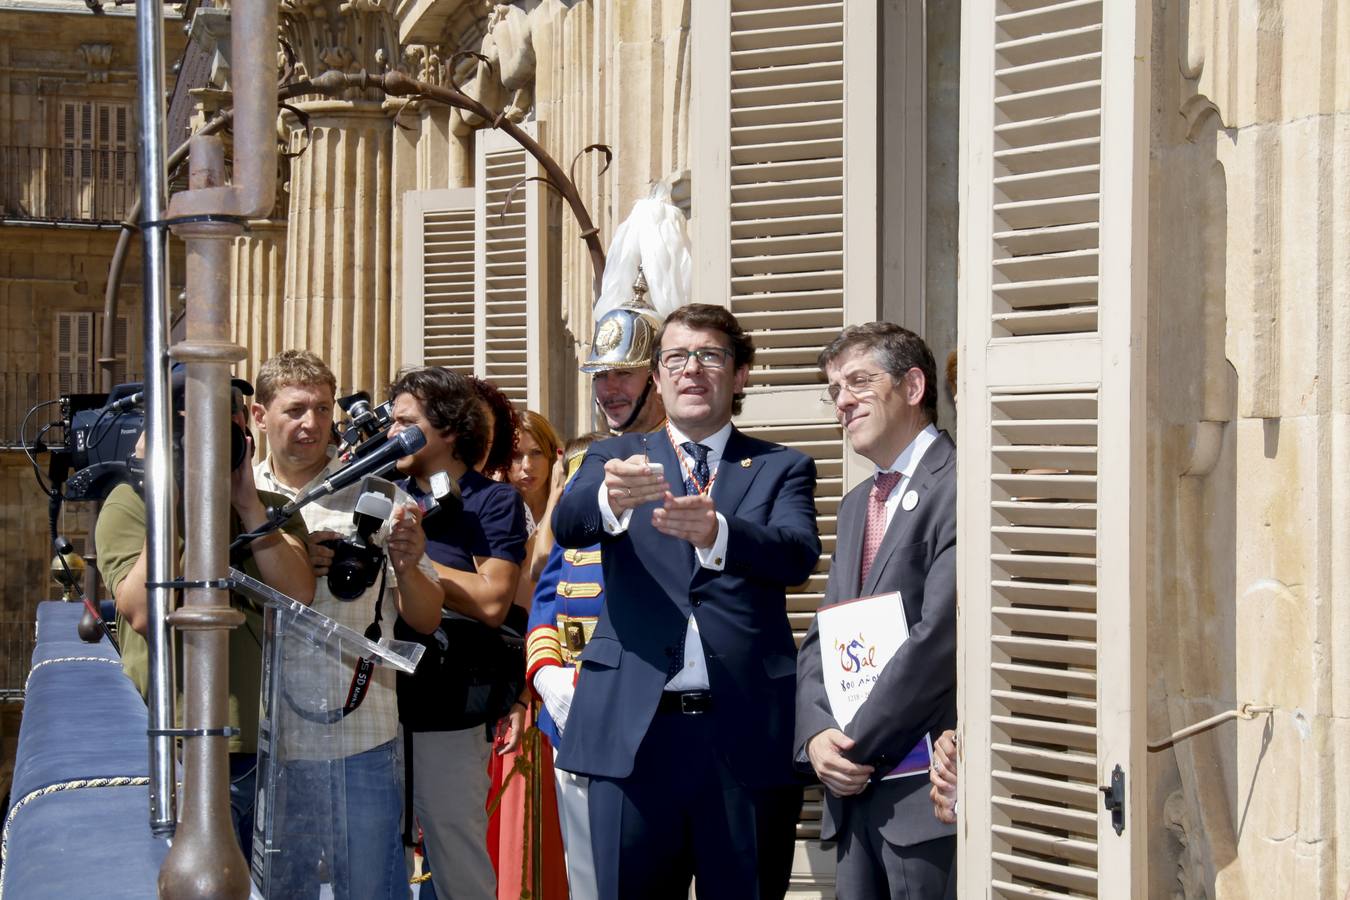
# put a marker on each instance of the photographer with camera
(278, 559)
(294, 408)
(470, 676)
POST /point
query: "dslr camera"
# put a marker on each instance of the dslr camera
(357, 559)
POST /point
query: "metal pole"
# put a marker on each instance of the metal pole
(205, 860)
(159, 481)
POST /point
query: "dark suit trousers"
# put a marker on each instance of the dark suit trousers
(682, 815)
(872, 868)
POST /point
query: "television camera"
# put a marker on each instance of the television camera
(97, 451)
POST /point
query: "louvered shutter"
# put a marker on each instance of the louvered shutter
(77, 165)
(113, 189)
(438, 279)
(74, 352)
(1055, 154)
(511, 295)
(783, 139)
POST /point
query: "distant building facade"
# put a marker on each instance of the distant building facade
(68, 138)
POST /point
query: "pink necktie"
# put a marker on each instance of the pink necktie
(875, 529)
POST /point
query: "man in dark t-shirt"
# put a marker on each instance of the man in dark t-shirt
(477, 547)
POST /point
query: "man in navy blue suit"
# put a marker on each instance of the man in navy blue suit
(683, 713)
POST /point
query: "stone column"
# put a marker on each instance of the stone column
(258, 269)
(338, 297)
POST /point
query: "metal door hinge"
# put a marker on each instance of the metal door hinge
(1113, 798)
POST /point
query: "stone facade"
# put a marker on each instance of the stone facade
(1249, 397)
(61, 192)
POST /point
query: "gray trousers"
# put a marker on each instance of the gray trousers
(872, 868)
(450, 788)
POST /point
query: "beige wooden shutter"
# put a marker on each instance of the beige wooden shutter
(438, 279)
(113, 187)
(511, 293)
(783, 139)
(74, 352)
(77, 165)
(1054, 166)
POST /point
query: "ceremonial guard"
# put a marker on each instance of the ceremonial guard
(571, 589)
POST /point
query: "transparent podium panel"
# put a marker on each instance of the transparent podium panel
(315, 673)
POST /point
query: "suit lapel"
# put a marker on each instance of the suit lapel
(903, 523)
(849, 541)
(733, 477)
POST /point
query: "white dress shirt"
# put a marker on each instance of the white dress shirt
(906, 463)
(694, 674)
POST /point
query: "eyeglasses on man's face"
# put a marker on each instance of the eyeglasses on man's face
(859, 384)
(675, 359)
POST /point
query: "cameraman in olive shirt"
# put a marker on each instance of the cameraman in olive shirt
(278, 559)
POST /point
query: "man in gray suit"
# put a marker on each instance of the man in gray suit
(897, 532)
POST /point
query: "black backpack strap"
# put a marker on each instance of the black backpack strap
(409, 826)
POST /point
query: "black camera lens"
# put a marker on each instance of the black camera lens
(238, 446)
(354, 569)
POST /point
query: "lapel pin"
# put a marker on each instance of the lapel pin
(909, 501)
(746, 463)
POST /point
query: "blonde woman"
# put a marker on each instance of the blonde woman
(532, 473)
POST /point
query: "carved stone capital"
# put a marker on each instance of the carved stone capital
(98, 57)
(346, 35)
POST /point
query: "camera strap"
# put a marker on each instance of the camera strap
(365, 666)
(361, 675)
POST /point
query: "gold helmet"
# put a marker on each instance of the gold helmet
(625, 336)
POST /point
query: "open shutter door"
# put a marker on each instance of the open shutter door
(510, 294)
(438, 279)
(784, 136)
(1052, 256)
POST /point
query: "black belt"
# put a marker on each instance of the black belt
(689, 703)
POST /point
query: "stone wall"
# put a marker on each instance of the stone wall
(1249, 405)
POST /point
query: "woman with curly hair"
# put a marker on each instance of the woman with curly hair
(503, 423)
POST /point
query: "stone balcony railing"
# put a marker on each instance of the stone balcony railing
(55, 184)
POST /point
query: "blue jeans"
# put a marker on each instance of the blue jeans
(356, 838)
(243, 794)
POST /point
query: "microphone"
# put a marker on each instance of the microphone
(126, 403)
(405, 443)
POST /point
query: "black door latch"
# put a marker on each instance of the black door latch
(1113, 798)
